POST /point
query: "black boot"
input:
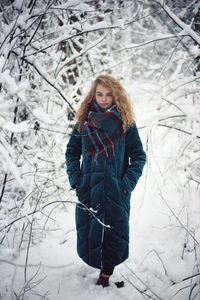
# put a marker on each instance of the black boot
(104, 281)
(119, 284)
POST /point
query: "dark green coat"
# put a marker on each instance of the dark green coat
(104, 186)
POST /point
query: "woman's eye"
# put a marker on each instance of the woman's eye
(107, 95)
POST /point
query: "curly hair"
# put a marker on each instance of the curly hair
(121, 99)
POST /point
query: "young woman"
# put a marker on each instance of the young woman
(113, 158)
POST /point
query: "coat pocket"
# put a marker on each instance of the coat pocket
(125, 195)
(79, 184)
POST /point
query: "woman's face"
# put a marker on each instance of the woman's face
(104, 96)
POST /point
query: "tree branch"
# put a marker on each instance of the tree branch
(179, 129)
(178, 219)
(186, 29)
(48, 80)
(171, 36)
(79, 204)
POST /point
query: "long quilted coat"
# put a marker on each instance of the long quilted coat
(104, 187)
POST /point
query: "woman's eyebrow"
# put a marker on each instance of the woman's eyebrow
(105, 93)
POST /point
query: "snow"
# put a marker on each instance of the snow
(55, 257)
(12, 85)
(77, 26)
(96, 26)
(42, 116)
(195, 50)
(83, 7)
(186, 29)
(74, 5)
(20, 127)
(9, 165)
(18, 4)
(68, 4)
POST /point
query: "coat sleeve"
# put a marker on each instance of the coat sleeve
(72, 157)
(137, 158)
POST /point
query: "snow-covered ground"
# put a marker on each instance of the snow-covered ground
(56, 272)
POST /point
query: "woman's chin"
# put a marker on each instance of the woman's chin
(105, 106)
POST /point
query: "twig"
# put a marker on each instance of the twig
(27, 251)
(154, 251)
(30, 285)
(191, 290)
(48, 216)
(108, 27)
(195, 180)
(179, 129)
(140, 291)
(178, 219)
(195, 249)
(3, 186)
(79, 204)
(171, 117)
(147, 42)
(82, 52)
(186, 239)
(157, 297)
(183, 288)
(50, 83)
(33, 265)
(23, 232)
(169, 58)
(190, 277)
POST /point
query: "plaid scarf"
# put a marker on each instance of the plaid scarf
(101, 131)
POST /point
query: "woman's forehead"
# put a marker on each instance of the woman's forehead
(102, 88)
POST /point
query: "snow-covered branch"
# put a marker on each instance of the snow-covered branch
(160, 37)
(181, 129)
(76, 55)
(35, 211)
(186, 29)
(46, 77)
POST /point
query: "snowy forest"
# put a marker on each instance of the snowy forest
(50, 52)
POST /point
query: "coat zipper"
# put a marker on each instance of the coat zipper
(102, 238)
(103, 229)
